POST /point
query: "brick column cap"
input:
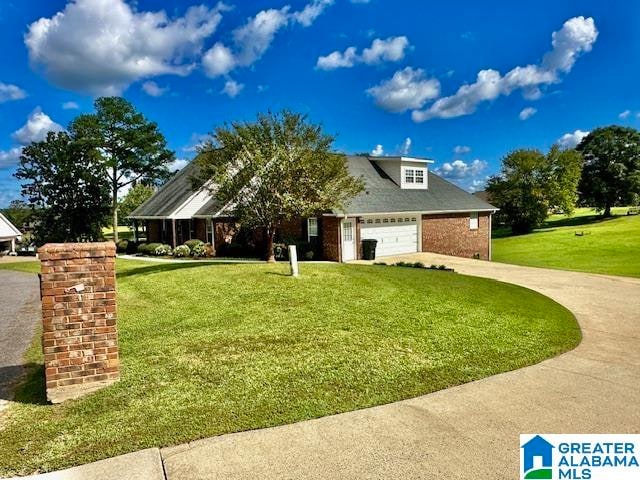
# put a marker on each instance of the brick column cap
(78, 250)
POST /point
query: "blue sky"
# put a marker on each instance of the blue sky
(460, 82)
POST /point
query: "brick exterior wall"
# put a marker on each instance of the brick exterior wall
(330, 238)
(80, 338)
(449, 234)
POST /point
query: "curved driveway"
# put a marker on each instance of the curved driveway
(465, 432)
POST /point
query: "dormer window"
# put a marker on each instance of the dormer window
(419, 176)
(409, 175)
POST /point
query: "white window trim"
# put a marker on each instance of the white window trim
(309, 234)
(418, 176)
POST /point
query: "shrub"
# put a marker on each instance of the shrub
(122, 245)
(182, 251)
(151, 248)
(162, 250)
(142, 248)
(198, 250)
(208, 250)
(193, 243)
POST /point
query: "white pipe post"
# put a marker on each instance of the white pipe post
(293, 260)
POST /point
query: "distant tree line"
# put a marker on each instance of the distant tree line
(603, 171)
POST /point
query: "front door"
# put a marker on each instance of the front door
(348, 240)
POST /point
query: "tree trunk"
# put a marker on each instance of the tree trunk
(114, 206)
(270, 254)
(607, 210)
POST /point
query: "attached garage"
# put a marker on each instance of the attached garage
(395, 234)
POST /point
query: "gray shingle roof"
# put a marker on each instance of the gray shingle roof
(170, 196)
(383, 195)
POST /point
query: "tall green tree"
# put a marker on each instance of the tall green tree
(530, 183)
(274, 169)
(64, 182)
(135, 197)
(132, 148)
(611, 174)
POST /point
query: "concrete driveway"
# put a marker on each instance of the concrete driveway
(466, 432)
(19, 315)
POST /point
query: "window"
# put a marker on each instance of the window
(385, 220)
(400, 220)
(413, 219)
(393, 220)
(312, 228)
(473, 221)
(369, 220)
(419, 176)
(347, 232)
(377, 220)
(409, 175)
(209, 231)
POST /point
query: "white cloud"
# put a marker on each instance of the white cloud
(461, 149)
(346, 59)
(10, 92)
(253, 39)
(406, 147)
(178, 164)
(232, 88)
(624, 115)
(571, 140)
(576, 36)
(70, 106)
(102, 46)
(377, 151)
(9, 158)
(459, 169)
(152, 89)
(527, 113)
(389, 50)
(218, 60)
(311, 11)
(36, 129)
(407, 89)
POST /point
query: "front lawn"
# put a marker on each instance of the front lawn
(610, 246)
(212, 349)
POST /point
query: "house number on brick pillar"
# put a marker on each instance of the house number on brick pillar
(80, 338)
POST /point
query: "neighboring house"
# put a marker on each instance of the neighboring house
(404, 206)
(8, 236)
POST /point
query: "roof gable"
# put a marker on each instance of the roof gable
(7, 229)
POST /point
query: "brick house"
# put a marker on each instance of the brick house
(405, 207)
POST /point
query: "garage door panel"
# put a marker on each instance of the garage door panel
(392, 239)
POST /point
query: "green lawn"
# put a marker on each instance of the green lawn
(610, 246)
(212, 349)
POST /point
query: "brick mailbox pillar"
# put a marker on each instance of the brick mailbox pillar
(80, 339)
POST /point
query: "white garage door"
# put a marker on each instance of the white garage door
(395, 235)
